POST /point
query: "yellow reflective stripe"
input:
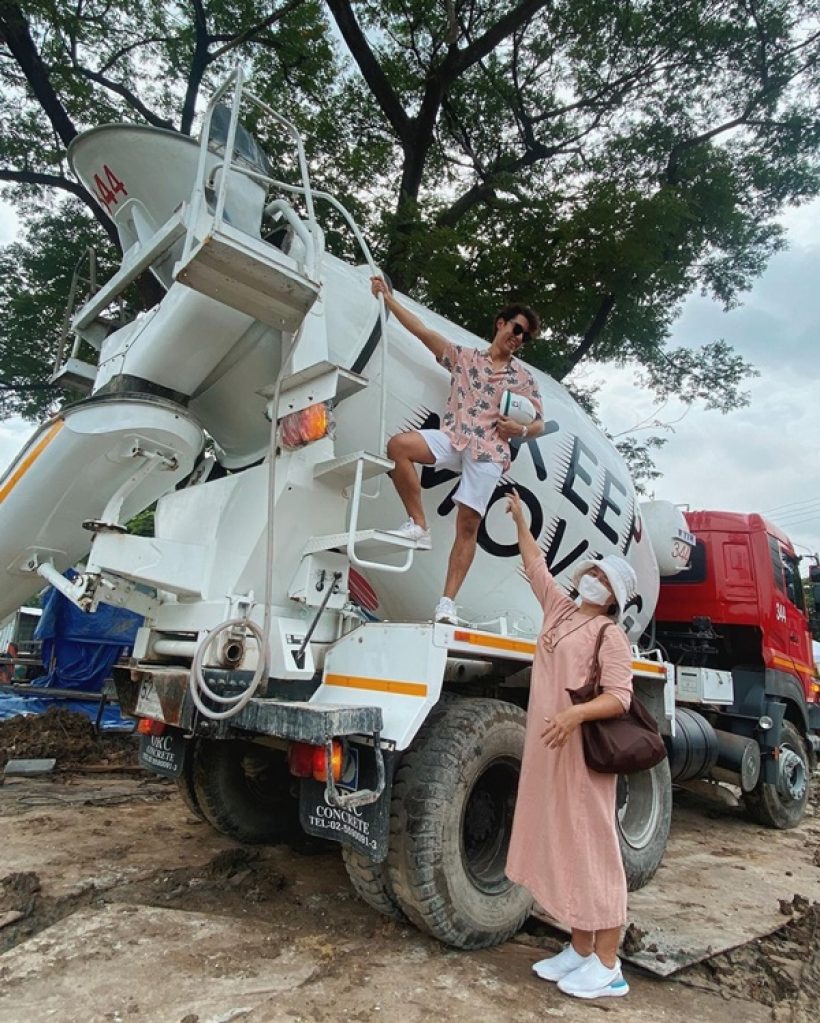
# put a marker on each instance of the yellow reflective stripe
(790, 662)
(26, 463)
(378, 685)
(654, 669)
(494, 642)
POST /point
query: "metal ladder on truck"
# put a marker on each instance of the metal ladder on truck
(250, 275)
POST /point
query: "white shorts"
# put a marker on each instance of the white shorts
(478, 479)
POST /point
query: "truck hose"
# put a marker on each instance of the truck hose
(198, 684)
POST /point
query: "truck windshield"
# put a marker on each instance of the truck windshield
(794, 584)
(777, 564)
(786, 571)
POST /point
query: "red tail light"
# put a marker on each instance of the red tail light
(308, 761)
(300, 759)
(147, 726)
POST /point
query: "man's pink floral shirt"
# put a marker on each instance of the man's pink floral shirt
(471, 418)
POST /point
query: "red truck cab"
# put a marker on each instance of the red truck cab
(744, 580)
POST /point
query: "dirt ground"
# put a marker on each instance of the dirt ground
(119, 906)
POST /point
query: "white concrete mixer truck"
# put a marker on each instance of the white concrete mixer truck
(287, 673)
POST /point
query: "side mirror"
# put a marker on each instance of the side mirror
(815, 592)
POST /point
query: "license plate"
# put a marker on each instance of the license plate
(163, 754)
(148, 704)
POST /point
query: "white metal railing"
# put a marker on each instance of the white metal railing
(309, 237)
(198, 198)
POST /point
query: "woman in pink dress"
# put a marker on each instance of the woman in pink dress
(564, 845)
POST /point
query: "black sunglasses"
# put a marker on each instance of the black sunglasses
(519, 331)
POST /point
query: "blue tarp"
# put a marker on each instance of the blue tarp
(79, 650)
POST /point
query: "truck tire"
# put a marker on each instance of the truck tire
(782, 805)
(371, 882)
(243, 790)
(451, 818)
(643, 817)
(185, 782)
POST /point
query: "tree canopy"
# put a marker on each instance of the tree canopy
(599, 159)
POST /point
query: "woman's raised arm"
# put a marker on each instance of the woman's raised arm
(526, 543)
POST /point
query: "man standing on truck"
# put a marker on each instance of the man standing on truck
(474, 438)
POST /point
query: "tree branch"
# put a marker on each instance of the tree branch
(123, 50)
(29, 177)
(130, 98)
(590, 336)
(371, 70)
(254, 30)
(196, 72)
(15, 33)
(460, 60)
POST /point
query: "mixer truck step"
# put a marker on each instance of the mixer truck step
(347, 382)
(341, 472)
(76, 374)
(250, 275)
(367, 543)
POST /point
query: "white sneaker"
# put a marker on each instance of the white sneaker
(558, 966)
(594, 980)
(445, 612)
(411, 530)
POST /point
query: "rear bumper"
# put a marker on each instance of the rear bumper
(162, 695)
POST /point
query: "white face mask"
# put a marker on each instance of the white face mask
(593, 591)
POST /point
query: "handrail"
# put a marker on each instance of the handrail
(353, 557)
(357, 492)
(313, 249)
(237, 79)
(374, 270)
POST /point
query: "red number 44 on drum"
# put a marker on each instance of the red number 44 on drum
(106, 191)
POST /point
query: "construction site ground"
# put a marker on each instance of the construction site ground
(117, 905)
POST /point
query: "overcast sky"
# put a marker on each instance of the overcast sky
(762, 458)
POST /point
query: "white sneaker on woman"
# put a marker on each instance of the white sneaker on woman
(594, 980)
(558, 966)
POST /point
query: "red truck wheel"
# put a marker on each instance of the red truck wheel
(782, 804)
(643, 818)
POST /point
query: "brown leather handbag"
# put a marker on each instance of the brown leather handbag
(620, 745)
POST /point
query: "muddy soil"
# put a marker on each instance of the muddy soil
(119, 906)
(66, 735)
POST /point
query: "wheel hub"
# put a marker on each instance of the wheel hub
(791, 774)
(486, 826)
(638, 808)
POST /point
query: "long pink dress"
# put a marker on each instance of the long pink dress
(564, 846)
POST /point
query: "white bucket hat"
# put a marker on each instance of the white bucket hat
(618, 571)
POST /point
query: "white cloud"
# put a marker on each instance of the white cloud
(763, 458)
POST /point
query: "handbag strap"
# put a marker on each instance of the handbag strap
(594, 674)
